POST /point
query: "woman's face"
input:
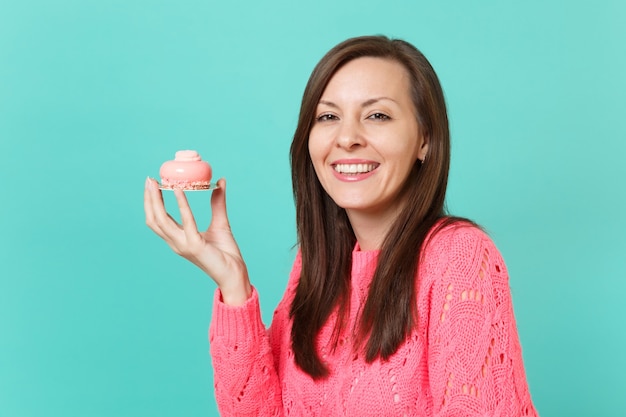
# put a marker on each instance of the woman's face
(365, 138)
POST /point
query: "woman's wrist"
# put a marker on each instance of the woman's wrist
(236, 295)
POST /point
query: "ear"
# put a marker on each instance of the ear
(423, 147)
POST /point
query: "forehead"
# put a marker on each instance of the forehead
(369, 76)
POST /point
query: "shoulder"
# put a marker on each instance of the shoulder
(460, 250)
(452, 238)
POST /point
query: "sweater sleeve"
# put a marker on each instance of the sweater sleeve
(246, 381)
(475, 359)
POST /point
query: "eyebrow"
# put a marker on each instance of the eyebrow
(366, 103)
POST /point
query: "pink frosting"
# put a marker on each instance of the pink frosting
(187, 166)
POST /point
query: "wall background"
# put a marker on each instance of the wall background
(99, 318)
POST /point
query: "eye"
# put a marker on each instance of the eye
(326, 117)
(379, 116)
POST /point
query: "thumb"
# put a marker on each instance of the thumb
(218, 206)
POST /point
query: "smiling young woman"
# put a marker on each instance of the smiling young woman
(393, 307)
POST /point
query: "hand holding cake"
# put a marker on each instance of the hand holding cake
(215, 250)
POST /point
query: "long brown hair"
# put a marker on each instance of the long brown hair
(326, 238)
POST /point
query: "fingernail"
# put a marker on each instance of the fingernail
(150, 183)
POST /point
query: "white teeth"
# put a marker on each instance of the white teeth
(354, 168)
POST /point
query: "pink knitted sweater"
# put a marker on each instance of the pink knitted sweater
(463, 359)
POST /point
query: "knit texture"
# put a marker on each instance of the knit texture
(463, 358)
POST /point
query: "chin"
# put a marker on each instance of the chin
(354, 206)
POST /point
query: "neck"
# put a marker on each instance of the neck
(370, 229)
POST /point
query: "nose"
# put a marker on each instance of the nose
(349, 134)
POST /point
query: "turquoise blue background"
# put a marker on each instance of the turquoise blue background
(99, 318)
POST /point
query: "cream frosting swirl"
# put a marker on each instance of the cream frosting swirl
(187, 156)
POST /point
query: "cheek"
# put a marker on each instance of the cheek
(316, 149)
(404, 156)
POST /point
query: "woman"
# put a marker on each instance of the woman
(392, 308)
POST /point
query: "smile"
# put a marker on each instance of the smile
(354, 168)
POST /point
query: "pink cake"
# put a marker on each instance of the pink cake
(186, 172)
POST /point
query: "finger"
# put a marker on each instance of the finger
(149, 207)
(161, 219)
(186, 216)
(218, 206)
